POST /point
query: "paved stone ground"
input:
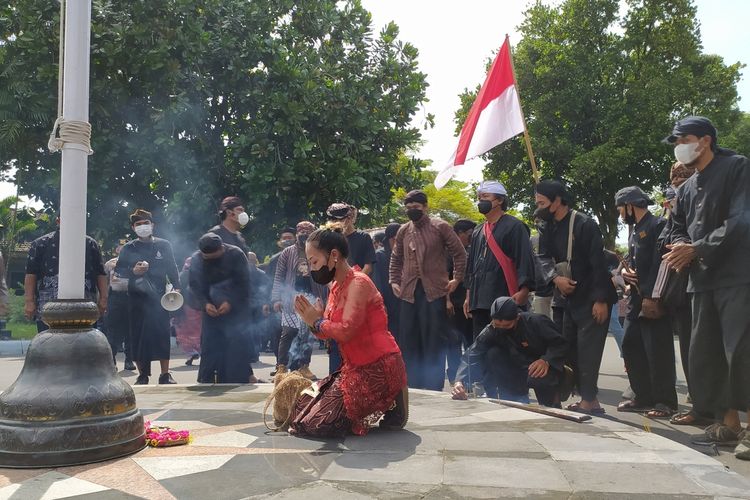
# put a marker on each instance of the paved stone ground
(450, 449)
(473, 449)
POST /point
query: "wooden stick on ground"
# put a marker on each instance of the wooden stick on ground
(544, 410)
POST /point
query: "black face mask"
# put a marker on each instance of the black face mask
(324, 275)
(484, 206)
(503, 331)
(545, 214)
(414, 214)
(302, 239)
(629, 218)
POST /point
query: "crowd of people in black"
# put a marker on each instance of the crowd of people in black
(503, 310)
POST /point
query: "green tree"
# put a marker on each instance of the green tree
(600, 90)
(290, 104)
(738, 139)
(15, 226)
(456, 200)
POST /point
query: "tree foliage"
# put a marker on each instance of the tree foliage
(15, 226)
(456, 200)
(600, 90)
(289, 104)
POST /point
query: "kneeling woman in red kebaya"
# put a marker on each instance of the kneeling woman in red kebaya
(371, 382)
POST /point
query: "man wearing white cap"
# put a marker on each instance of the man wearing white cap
(501, 262)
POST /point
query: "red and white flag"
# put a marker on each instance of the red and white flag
(494, 117)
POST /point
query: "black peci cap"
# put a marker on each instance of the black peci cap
(691, 125)
(209, 243)
(632, 195)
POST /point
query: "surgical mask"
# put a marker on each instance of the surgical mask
(286, 243)
(243, 218)
(686, 153)
(484, 206)
(324, 275)
(545, 214)
(144, 230)
(414, 214)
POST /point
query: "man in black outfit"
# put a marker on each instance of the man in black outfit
(648, 345)
(361, 248)
(711, 228)
(503, 267)
(233, 219)
(380, 277)
(515, 352)
(220, 283)
(462, 329)
(583, 280)
(42, 268)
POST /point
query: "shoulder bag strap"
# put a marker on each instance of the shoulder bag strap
(570, 235)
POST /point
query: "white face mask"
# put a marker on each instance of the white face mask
(243, 218)
(144, 230)
(686, 153)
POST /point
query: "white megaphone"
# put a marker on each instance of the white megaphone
(171, 301)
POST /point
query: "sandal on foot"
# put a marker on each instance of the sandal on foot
(576, 407)
(631, 406)
(689, 418)
(718, 434)
(743, 448)
(660, 411)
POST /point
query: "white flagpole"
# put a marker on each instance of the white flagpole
(74, 156)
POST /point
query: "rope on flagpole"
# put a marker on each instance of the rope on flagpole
(526, 136)
(76, 134)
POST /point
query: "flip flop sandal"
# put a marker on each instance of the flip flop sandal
(576, 407)
(689, 418)
(660, 411)
(630, 406)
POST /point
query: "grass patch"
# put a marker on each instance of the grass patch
(21, 331)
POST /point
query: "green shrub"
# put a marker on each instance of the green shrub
(15, 308)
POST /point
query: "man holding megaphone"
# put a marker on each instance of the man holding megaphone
(147, 262)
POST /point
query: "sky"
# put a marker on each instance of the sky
(455, 39)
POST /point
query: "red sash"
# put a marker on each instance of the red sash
(506, 263)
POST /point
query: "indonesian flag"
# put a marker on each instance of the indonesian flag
(494, 117)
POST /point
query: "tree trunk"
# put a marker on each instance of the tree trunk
(608, 225)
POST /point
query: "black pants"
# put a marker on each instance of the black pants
(507, 378)
(480, 318)
(225, 351)
(720, 350)
(586, 339)
(288, 335)
(558, 316)
(648, 349)
(424, 340)
(681, 320)
(274, 328)
(117, 324)
(461, 335)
